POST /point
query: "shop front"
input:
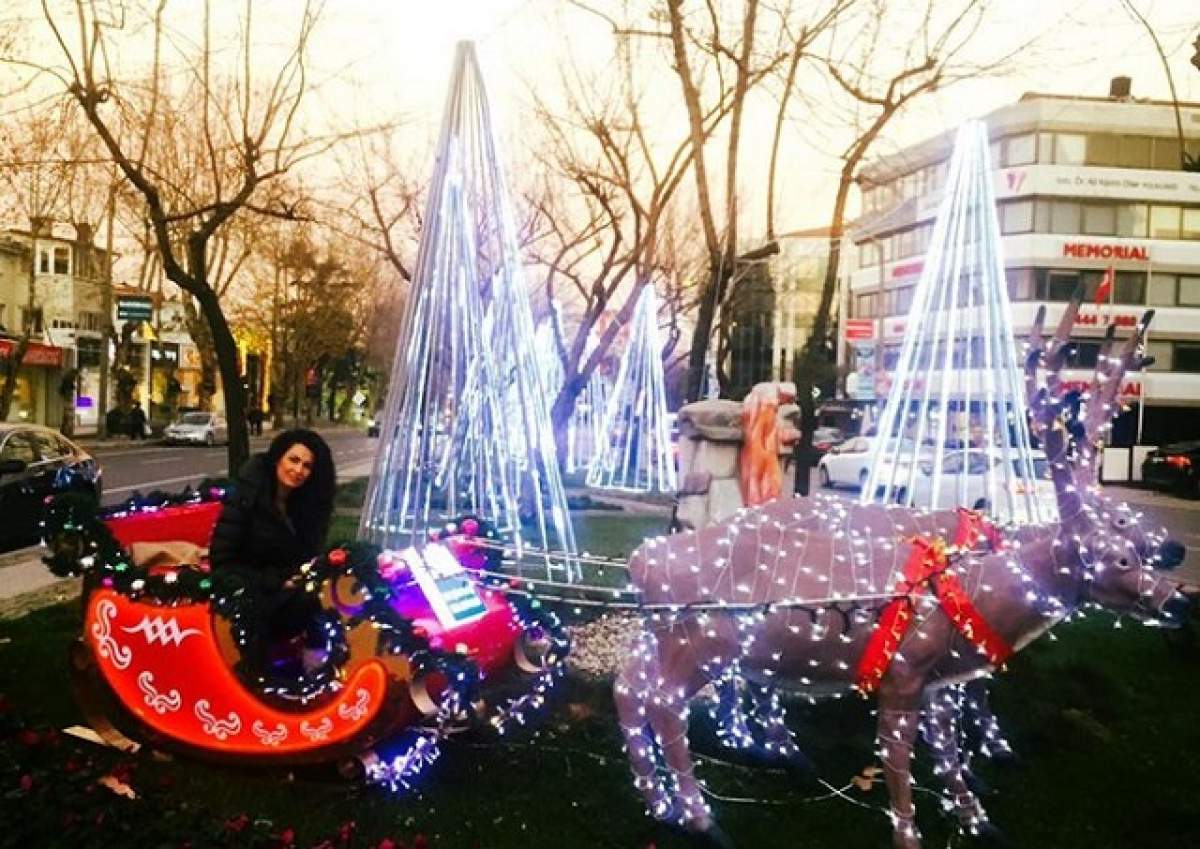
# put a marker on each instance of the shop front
(36, 398)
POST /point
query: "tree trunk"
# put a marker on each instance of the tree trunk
(701, 333)
(231, 380)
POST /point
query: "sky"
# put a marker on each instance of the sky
(383, 60)
(400, 55)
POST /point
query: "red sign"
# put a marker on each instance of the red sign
(1098, 320)
(858, 329)
(1095, 250)
(908, 268)
(36, 354)
(1130, 389)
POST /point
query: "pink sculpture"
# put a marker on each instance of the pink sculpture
(782, 595)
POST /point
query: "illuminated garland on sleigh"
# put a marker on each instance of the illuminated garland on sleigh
(81, 545)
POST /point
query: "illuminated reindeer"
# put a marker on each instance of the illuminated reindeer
(774, 600)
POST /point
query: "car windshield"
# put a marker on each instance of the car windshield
(195, 419)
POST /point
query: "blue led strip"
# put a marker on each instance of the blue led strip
(635, 443)
(959, 360)
(466, 427)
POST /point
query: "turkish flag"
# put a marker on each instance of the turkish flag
(1105, 287)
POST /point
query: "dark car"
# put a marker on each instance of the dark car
(35, 463)
(1175, 467)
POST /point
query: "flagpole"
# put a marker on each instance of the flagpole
(1145, 343)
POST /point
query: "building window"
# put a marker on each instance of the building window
(1132, 220)
(1161, 352)
(31, 320)
(1016, 217)
(1189, 291)
(43, 260)
(1064, 216)
(1134, 152)
(1162, 290)
(1187, 357)
(1084, 354)
(1021, 150)
(1070, 149)
(1102, 150)
(1020, 283)
(88, 351)
(1166, 154)
(62, 259)
(1130, 288)
(1191, 224)
(89, 321)
(1099, 220)
(1164, 222)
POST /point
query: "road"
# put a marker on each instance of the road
(136, 466)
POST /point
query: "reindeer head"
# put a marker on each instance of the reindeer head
(1123, 563)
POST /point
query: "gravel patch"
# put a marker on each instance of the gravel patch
(597, 648)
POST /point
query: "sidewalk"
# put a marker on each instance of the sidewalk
(26, 584)
(90, 441)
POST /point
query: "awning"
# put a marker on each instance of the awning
(36, 354)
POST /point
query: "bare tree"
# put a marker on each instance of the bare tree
(36, 168)
(248, 123)
(879, 82)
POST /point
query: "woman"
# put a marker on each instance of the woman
(275, 519)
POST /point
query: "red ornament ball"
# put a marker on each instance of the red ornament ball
(338, 558)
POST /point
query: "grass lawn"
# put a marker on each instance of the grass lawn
(1104, 719)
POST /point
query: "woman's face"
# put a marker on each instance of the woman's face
(294, 468)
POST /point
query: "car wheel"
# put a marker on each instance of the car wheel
(208, 440)
(982, 505)
(902, 495)
(862, 479)
(823, 474)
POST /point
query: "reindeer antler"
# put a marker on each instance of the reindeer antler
(1045, 402)
(1103, 395)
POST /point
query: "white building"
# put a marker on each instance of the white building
(1082, 184)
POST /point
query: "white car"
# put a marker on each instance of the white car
(849, 463)
(978, 495)
(197, 429)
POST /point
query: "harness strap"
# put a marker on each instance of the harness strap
(927, 566)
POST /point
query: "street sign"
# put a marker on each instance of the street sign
(859, 329)
(134, 308)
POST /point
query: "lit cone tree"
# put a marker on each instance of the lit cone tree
(466, 428)
(587, 423)
(635, 446)
(955, 417)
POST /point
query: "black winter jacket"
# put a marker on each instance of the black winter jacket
(252, 540)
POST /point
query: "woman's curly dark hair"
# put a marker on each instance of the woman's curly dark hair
(310, 506)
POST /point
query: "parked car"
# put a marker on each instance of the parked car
(35, 463)
(197, 429)
(1175, 467)
(978, 496)
(825, 438)
(849, 463)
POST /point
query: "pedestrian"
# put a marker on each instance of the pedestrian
(275, 519)
(254, 416)
(137, 421)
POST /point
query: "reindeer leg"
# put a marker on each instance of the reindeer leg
(943, 734)
(777, 739)
(632, 690)
(899, 719)
(991, 742)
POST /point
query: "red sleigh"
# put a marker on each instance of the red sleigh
(165, 672)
